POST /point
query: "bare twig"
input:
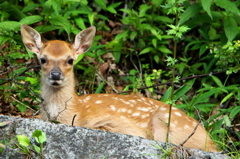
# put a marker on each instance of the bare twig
(73, 119)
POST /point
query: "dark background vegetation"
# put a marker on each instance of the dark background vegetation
(140, 47)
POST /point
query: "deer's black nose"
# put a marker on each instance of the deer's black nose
(56, 75)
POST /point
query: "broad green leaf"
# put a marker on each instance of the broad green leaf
(230, 28)
(39, 136)
(143, 9)
(206, 4)
(101, 3)
(202, 97)
(146, 50)
(23, 140)
(30, 7)
(164, 49)
(167, 94)
(154, 42)
(133, 35)
(21, 107)
(12, 10)
(235, 111)
(217, 81)
(117, 48)
(228, 6)
(46, 28)
(36, 148)
(111, 9)
(62, 22)
(121, 35)
(10, 25)
(227, 120)
(184, 89)
(31, 19)
(100, 87)
(190, 12)
(80, 23)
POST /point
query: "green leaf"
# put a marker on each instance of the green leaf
(31, 19)
(143, 9)
(226, 98)
(62, 22)
(101, 3)
(203, 96)
(30, 7)
(23, 140)
(117, 48)
(164, 49)
(21, 107)
(80, 23)
(190, 12)
(10, 25)
(40, 136)
(36, 148)
(146, 50)
(184, 89)
(121, 35)
(46, 28)
(167, 94)
(4, 38)
(12, 10)
(228, 6)
(206, 4)
(235, 111)
(217, 81)
(230, 28)
(91, 18)
(100, 87)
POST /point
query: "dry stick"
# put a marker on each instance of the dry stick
(73, 119)
(194, 130)
(64, 108)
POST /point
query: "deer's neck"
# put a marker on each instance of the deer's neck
(56, 101)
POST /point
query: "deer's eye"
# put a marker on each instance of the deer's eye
(43, 60)
(70, 61)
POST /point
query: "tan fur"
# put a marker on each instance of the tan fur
(127, 114)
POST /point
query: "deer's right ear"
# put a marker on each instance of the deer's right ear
(31, 38)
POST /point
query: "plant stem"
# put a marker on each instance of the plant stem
(173, 79)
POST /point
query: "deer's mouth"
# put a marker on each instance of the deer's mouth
(55, 83)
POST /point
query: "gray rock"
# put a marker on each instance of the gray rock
(67, 142)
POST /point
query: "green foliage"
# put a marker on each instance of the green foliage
(25, 143)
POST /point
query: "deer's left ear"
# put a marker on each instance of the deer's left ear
(84, 40)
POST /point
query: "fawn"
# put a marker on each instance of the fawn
(127, 114)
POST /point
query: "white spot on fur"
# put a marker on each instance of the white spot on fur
(147, 103)
(139, 100)
(163, 108)
(144, 125)
(133, 101)
(129, 111)
(174, 108)
(143, 99)
(123, 110)
(115, 98)
(136, 114)
(106, 95)
(123, 117)
(143, 109)
(87, 99)
(166, 115)
(186, 127)
(151, 102)
(113, 107)
(98, 102)
(178, 113)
